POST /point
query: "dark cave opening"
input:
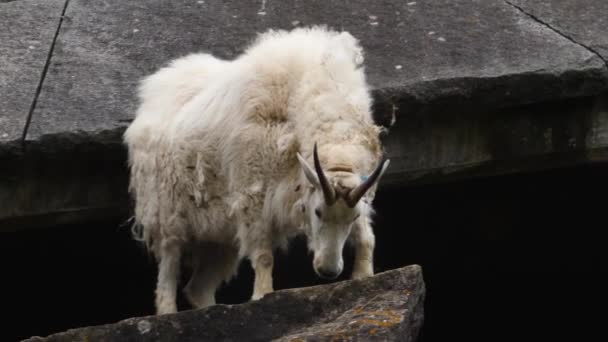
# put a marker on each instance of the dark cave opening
(516, 256)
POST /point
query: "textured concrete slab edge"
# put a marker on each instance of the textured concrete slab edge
(494, 168)
(121, 209)
(388, 103)
(458, 145)
(76, 173)
(74, 181)
(493, 93)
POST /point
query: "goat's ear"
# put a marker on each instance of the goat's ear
(309, 172)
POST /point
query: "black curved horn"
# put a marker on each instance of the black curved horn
(355, 194)
(328, 190)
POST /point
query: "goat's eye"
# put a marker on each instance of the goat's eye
(318, 212)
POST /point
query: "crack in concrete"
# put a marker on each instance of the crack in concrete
(45, 69)
(556, 30)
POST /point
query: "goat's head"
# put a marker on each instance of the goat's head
(332, 209)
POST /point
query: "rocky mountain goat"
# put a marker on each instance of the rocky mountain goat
(220, 156)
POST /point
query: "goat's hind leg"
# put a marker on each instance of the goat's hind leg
(212, 264)
(168, 275)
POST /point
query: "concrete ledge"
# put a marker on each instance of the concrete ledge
(462, 143)
(64, 179)
(466, 88)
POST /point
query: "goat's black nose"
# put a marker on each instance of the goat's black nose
(327, 273)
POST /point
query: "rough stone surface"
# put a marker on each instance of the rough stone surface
(583, 21)
(27, 29)
(460, 143)
(451, 75)
(417, 52)
(91, 179)
(387, 307)
(41, 189)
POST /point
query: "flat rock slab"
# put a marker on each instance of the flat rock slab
(417, 52)
(584, 21)
(387, 307)
(27, 29)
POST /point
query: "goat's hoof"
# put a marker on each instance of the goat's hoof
(198, 302)
(165, 308)
(258, 296)
(165, 311)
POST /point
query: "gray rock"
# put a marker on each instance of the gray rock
(418, 53)
(91, 181)
(27, 29)
(583, 21)
(451, 74)
(387, 307)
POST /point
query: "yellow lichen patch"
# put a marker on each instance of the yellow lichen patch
(376, 319)
(297, 339)
(339, 336)
(384, 318)
(391, 314)
(384, 323)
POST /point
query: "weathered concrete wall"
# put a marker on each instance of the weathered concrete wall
(85, 182)
(461, 143)
(465, 87)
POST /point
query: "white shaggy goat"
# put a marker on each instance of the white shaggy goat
(220, 154)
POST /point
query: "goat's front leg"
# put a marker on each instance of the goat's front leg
(168, 274)
(262, 261)
(255, 240)
(364, 241)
